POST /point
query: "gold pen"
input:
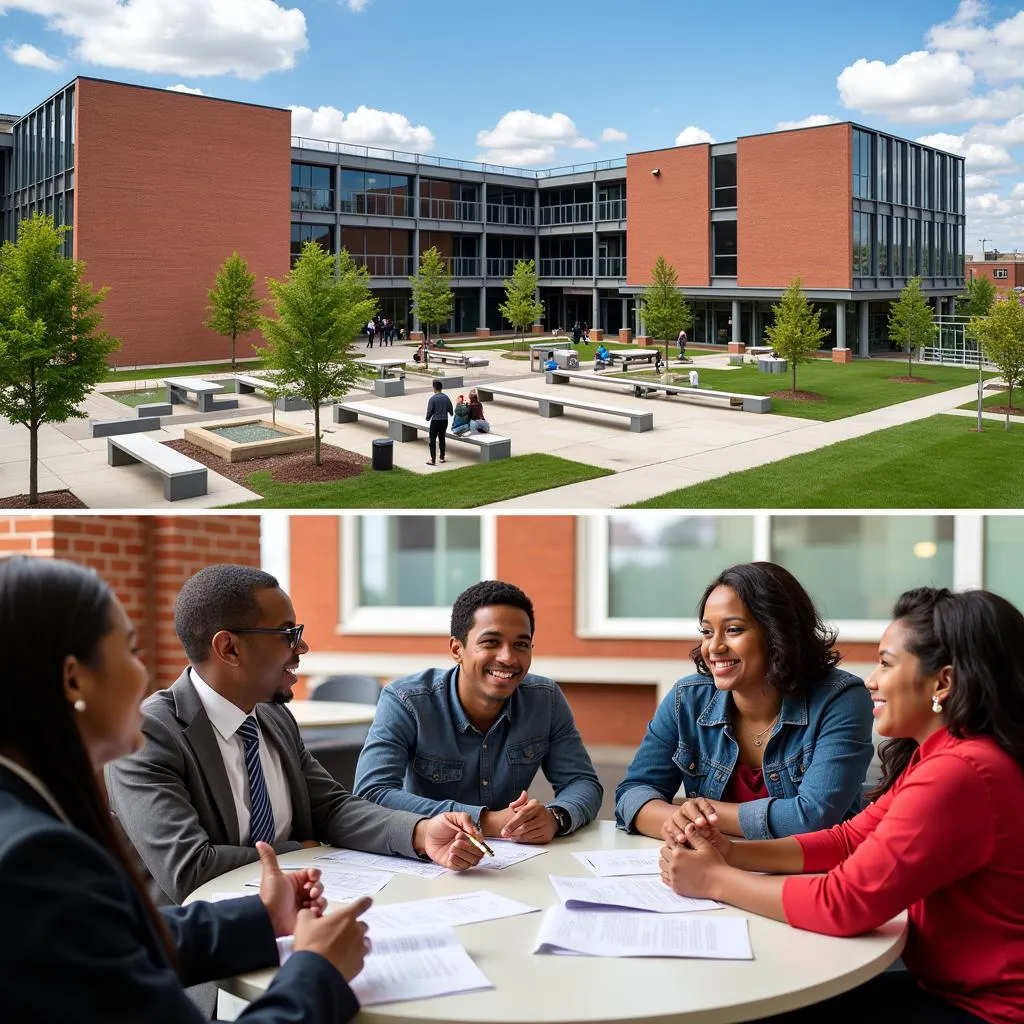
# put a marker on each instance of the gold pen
(479, 844)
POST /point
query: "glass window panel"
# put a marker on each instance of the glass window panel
(1004, 557)
(659, 565)
(856, 566)
(417, 561)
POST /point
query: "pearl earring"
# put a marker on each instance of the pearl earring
(79, 705)
(936, 706)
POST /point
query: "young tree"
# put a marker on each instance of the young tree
(321, 307)
(52, 351)
(978, 297)
(432, 298)
(797, 332)
(665, 311)
(234, 308)
(520, 308)
(1001, 335)
(912, 322)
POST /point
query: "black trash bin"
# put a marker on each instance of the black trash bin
(383, 453)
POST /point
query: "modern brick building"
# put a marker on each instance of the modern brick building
(159, 187)
(1004, 269)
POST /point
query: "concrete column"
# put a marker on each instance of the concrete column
(625, 312)
(596, 310)
(736, 321)
(840, 325)
(593, 231)
(862, 328)
(482, 318)
(415, 326)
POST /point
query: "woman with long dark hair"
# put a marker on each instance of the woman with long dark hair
(943, 841)
(80, 937)
(768, 729)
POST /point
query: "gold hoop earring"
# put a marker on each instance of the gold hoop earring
(936, 706)
(79, 705)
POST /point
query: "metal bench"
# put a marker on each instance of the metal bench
(183, 477)
(647, 355)
(731, 399)
(384, 366)
(404, 426)
(179, 388)
(639, 422)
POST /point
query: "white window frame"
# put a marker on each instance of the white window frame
(398, 620)
(1001, 273)
(593, 621)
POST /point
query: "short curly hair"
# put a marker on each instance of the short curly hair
(215, 598)
(801, 648)
(483, 595)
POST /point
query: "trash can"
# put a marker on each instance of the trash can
(694, 382)
(567, 359)
(383, 453)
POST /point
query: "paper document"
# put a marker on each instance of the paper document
(399, 865)
(507, 853)
(596, 933)
(341, 886)
(417, 965)
(444, 911)
(606, 863)
(632, 893)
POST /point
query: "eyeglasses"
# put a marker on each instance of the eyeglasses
(292, 634)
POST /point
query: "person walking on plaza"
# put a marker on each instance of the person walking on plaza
(439, 408)
(473, 737)
(82, 938)
(941, 840)
(370, 328)
(681, 344)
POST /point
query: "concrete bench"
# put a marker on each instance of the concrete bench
(384, 367)
(639, 422)
(760, 350)
(771, 364)
(183, 477)
(179, 388)
(404, 426)
(464, 359)
(147, 409)
(106, 428)
(247, 384)
(731, 399)
(647, 355)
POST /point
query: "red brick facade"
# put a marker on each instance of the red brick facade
(167, 185)
(1010, 273)
(145, 559)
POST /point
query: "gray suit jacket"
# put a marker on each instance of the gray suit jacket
(174, 801)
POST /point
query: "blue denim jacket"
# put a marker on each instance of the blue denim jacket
(814, 760)
(424, 755)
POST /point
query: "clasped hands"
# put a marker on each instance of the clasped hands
(695, 852)
(525, 820)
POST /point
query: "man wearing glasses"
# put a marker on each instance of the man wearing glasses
(224, 766)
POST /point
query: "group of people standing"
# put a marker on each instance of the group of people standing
(751, 775)
(467, 415)
(384, 329)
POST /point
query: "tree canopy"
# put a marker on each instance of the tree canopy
(665, 311)
(912, 322)
(796, 333)
(978, 297)
(234, 308)
(1001, 335)
(433, 300)
(521, 307)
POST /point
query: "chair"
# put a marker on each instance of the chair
(356, 689)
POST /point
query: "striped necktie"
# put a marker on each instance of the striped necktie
(261, 814)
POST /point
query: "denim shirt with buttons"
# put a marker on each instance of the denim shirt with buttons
(814, 760)
(424, 755)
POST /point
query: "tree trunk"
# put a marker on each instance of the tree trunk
(426, 345)
(910, 361)
(1009, 405)
(794, 376)
(232, 351)
(33, 463)
(316, 433)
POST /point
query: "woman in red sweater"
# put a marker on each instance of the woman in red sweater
(943, 839)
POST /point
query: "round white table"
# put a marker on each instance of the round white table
(324, 713)
(790, 968)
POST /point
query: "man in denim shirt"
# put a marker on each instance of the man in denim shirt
(473, 737)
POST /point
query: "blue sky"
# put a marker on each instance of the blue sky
(555, 82)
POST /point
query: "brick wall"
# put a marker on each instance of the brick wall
(145, 559)
(1014, 273)
(167, 185)
(795, 208)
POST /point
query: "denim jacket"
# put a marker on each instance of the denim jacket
(814, 760)
(424, 755)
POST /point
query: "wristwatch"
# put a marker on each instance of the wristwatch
(562, 819)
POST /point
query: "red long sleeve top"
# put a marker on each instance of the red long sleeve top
(946, 843)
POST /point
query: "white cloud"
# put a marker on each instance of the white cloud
(811, 121)
(915, 83)
(996, 51)
(247, 38)
(522, 138)
(357, 6)
(363, 126)
(1018, 190)
(185, 88)
(974, 182)
(978, 155)
(31, 56)
(613, 135)
(944, 141)
(692, 134)
(1009, 133)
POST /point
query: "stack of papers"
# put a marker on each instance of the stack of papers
(605, 863)
(597, 933)
(380, 862)
(632, 893)
(507, 853)
(341, 886)
(445, 911)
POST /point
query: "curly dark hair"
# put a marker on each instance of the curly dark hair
(981, 635)
(482, 595)
(801, 649)
(215, 598)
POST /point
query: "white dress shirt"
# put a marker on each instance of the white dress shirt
(226, 718)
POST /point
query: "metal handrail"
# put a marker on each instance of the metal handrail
(569, 213)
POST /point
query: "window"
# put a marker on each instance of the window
(400, 574)
(914, 176)
(862, 169)
(723, 170)
(884, 146)
(899, 159)
(897, 246)
(913, 246)
(1004, 557)
(311, 187)
(322, 234)
(1001, 273)
(884, 269)
(862, 235)
(724, 248)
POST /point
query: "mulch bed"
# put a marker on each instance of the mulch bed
(47, 499)
(910, 380)
(293, 468)
(1013, 410)
(797, 396)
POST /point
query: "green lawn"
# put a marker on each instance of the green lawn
(156, 372)
(467, 487)
(938, 462)
(507, 346)
(846, 389)
(134, 398)
(993, 398)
